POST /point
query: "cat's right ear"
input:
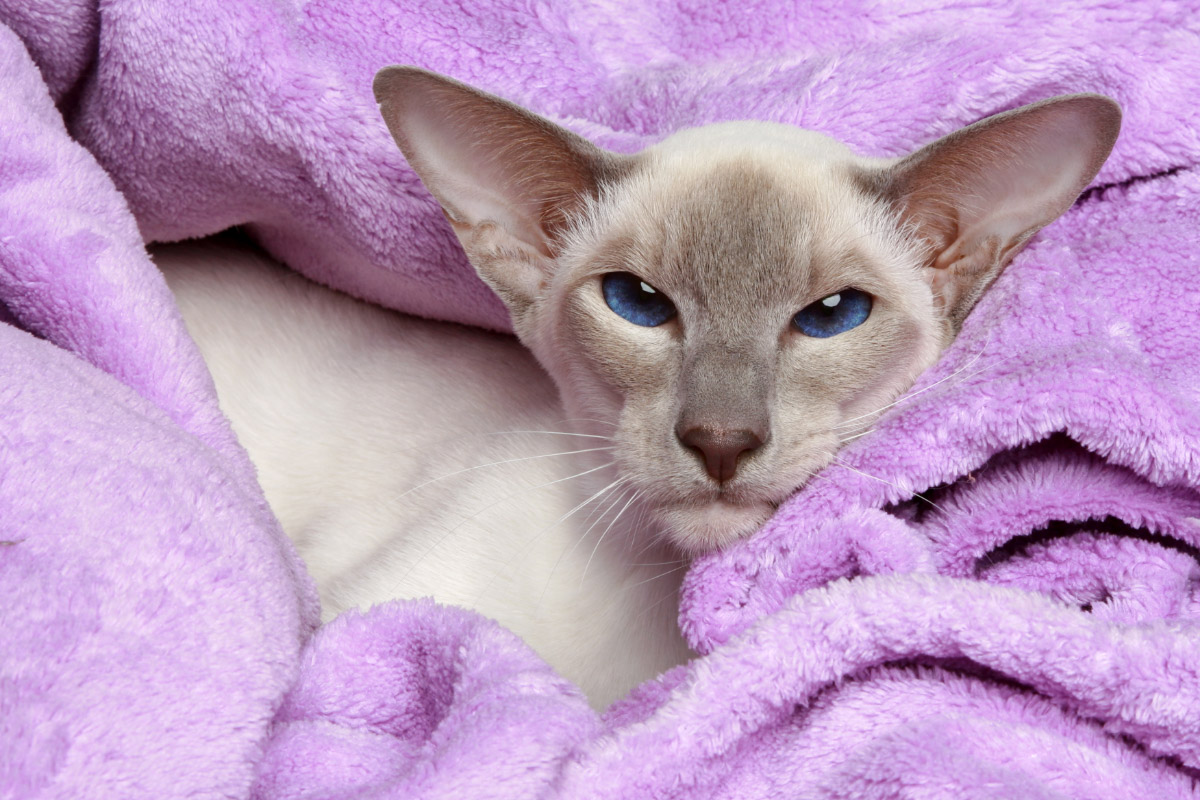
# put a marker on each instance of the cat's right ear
(509, 181)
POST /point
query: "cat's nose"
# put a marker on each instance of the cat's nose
(720, 447)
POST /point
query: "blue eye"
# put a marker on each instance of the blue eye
(633, 299)
(834, 314)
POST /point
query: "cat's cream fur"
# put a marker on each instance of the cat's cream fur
(407, 458)
(411, 458)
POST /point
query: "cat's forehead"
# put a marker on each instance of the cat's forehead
(730, 230)
(751, 213)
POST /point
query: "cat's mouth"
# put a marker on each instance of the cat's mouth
(702, 527)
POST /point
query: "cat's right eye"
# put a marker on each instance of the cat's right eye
(632, 299)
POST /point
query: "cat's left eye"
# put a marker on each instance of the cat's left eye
(633, 299)
(833, 314)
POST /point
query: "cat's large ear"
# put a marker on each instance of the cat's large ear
(508, 180)
(977, 195)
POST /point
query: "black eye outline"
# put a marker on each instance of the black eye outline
(834, 314)
(634, 300)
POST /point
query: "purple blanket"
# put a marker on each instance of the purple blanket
(994, 594)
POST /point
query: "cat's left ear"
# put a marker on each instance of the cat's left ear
(977, 195)
(509, 181)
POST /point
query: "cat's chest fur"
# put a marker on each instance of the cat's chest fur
(408, 458)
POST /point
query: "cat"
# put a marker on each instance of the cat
(698, 325)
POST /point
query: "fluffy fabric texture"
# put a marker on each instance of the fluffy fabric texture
(992, 595)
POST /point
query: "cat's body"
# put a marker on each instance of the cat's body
(412, 458)
(714, 317)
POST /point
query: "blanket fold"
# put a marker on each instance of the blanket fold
(991, 594)
(1070, 351)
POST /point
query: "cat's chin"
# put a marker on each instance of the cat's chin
(711, 526)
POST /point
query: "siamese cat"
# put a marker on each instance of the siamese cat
(699, 324)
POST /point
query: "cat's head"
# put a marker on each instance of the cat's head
(731, 303)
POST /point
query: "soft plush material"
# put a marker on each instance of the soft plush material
(993, 593)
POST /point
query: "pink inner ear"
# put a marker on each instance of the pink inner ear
(487, 160)
(978, 195)
(1048, 165)
(1007, 176)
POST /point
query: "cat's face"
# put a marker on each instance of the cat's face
(734, 302)
(732, 242)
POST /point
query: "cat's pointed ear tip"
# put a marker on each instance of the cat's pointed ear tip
(386, 81)
(1100, 104)
(1104, 111)
(392, 80)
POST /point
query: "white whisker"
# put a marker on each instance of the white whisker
(578, 540)
(612, 522)
(664, 598)
(542, 533)
(909, 396)
(655, 577)
(651, 541)
(660, 563)
(609, 423)
(423, 484)
(596, 515)
(870, 422)
(841, 463)
(557, 433)
(441, 539)
(594, 519)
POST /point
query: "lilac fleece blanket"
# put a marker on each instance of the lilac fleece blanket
(995, 594)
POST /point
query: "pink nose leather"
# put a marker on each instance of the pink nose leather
(721, 449)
